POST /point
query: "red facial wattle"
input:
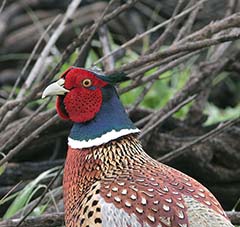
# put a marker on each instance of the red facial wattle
(81, 103)
(61, 108)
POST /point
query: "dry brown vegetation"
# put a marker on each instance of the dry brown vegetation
(41, 38)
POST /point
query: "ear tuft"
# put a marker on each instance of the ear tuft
(114, 78)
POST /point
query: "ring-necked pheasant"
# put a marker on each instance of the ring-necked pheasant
(109, 180)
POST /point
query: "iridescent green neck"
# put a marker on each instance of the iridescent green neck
(110, 122)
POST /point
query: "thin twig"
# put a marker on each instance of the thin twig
(56, 192)
(19, 104)
(185, 148)
(95, 28)
(154, 29)
(3, 5)
(9, 105)
(194, 85)
(157, 73)
(23, 71)
(106, 48)
(46, 220)
(165, 116)
(140, 98)
(230, 9)
(191, 46)
(42, 196)
(28, 121)
(160, 62)
(57, 219)
(28, 139)
(10, 191)
(184, 31)
(40, 62)
(40, 27)
(234, 217)
(169, 28)
(213, 28)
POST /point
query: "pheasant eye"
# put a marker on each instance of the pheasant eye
(87, 83)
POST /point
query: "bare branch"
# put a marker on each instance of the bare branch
(157, 73)
(173, 154)
(139, 37)
(170, 27)
(164, 117)
(234, 217)
(40, 62)
(104, 39)
(19, 104)
(28, 139)
(42, 196)
(28, 121)
(188, 24)
(2, 5)
(57, 219)
(95, 28)
(46, 220)
(191, 46)
(213, 28)
(23, 71)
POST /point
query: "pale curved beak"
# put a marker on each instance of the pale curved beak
(55, 89)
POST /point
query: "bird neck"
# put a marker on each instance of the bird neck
(110, 123)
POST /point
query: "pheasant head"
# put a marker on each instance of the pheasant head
(91, 102)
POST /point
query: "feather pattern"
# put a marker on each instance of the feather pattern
(118, 184)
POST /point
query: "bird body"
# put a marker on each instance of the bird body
(109, 180)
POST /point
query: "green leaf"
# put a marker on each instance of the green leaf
(7, 198)
(26, 193)
(4, 166)
(216, 115)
